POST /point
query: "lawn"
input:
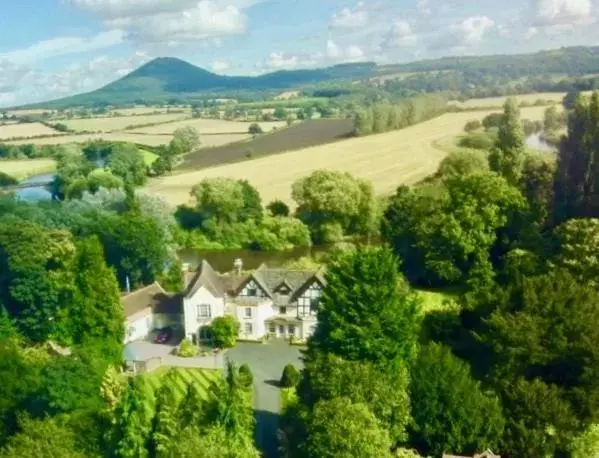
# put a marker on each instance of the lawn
(184, 376)
(433, 300)
(149, 157)
(23, 168)
(387, 160)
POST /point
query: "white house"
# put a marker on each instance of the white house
(149, 308)
(279, 302)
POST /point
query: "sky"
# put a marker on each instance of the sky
(54, 48)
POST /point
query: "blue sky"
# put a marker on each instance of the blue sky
(54, 48)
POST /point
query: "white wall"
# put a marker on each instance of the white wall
(138, 326)
(190, 310)
(260, 312)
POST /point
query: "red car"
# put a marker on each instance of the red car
(164, 335)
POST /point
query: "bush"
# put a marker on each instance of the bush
(290, 377)
(246, 377)
(255, 129)
(187, 349)
(492, 120)
(7, 180)
(475, 124)
(278, 208)
(224, 331)
(477, 140)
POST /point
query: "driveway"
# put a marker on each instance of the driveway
(266, 362)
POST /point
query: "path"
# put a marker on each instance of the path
(266, 362)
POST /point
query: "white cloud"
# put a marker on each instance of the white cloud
(399, 35)
(24, 85)
(171, 21)
(63, 45)
(530, 32)
(349, 18)
(281, 60)
(424, 7)
(561, 12)
(464, 34)
(220, 65)
(338, 53)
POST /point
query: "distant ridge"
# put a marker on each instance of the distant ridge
(166, 78)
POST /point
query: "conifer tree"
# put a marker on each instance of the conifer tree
(165, 421)
(507, 156)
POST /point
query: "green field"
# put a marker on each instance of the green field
(201, 377)
(149, 157)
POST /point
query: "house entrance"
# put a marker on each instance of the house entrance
(281, 331)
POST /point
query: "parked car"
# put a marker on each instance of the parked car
(164, 335)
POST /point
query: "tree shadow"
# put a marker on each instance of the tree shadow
(267, 424)
(275, 383)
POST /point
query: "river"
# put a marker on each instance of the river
(535, 141)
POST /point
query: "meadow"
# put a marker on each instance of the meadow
(23, 168)
(25, 130)
(209, 126)
(139, 111)
(387, 160)
(110, 124)
(183, 376)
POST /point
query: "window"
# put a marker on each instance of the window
(291, 330)
(252, 292)
(248, 328)
(314, 305)
(308, 302)
(282, 310)
(248, 312)
(204, 311)
(272, 328)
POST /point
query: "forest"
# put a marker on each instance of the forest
(509, 362)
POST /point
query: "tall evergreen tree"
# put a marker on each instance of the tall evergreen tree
(165, 422)
(96, 312)
(134, 420)
(577, 178)
(364, 314)
(508, 154)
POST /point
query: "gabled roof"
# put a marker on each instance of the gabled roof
(207, 277)
(151, 296)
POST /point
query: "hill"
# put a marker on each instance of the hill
(169, 80)
(166, 78)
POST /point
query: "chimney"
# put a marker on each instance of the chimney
(238, 265)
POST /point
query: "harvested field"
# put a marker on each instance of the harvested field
(388, 160)
(30, 129)
(23, 168)
(118, 122)
(143, 139)
(147, 110)
(209, 126)
(491, 102)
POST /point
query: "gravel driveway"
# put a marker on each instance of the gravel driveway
(266, 362)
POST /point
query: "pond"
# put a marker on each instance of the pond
(535, 141)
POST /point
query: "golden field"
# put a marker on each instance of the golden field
(32, 129)
(22, 168)
(118, 122)
(387, 160)
(209, 126)
(143, 139)
(137, 111)
(492, 102)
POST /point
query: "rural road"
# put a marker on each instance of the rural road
(266, 362)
